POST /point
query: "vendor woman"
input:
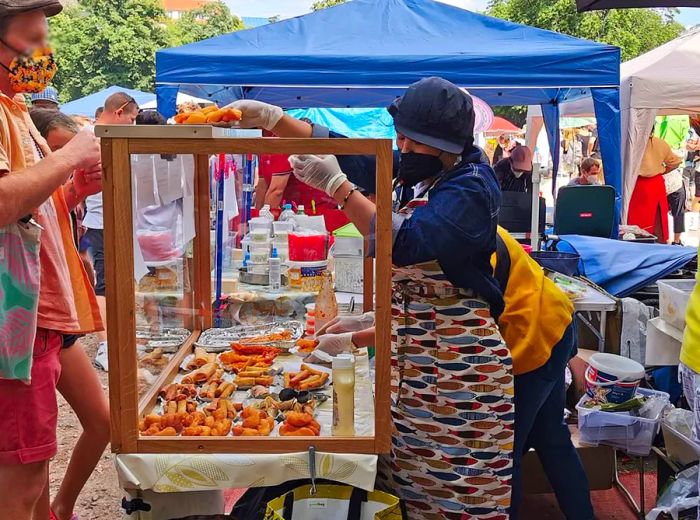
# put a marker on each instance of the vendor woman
(452, 385)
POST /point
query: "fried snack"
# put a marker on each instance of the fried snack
(307, 345)
(205, 373)
(224, 390)
(223, 408)
(307, 379)
(201, 358)
(256, 423)
(269, 353)
(300, 425)
(208, 115)
(177, 391)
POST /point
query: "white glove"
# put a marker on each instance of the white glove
(257, 114)
(341, 324)
(329, 346)
(318, 171)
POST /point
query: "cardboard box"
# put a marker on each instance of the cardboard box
(598, 461)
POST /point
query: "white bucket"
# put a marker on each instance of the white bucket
(612, 378)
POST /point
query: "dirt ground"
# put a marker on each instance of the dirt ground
(101, 497)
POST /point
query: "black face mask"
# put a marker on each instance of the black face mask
(414, 168)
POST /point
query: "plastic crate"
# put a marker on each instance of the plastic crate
(673, 300)
(633, 435)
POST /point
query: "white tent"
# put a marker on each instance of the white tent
(663, 81)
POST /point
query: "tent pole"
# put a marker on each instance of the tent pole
(535, 222)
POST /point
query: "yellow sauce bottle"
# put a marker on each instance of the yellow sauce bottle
(344, 395)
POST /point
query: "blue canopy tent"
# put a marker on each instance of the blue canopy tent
(366, 52)
(87, 105)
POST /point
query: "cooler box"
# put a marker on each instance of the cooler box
(348, 251)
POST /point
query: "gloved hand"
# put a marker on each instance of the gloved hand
(318, 171)
(329, 346)
(341, 324)
(257, 114)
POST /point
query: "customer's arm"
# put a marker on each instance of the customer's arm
(21, 192)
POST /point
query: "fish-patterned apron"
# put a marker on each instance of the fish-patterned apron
(452, 401)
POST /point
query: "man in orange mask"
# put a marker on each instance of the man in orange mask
(35, 189)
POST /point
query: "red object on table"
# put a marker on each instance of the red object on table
(308, 247)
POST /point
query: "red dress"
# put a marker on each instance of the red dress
(649, 205)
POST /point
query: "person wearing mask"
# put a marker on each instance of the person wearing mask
(514, 173)
(48, 99)
(589, 173)
(78, 383)
(119, 109)
(649, 206)
(36, 185)
(444, 235)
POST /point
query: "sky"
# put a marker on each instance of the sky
(286, 8)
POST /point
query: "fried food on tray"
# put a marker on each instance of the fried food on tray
(208, 115)
(267, 352)
(266, 339)
(178, 392)
(223, 409)
(216, 389)
(237, 363)
(307, 345)
(300, 425)
(256, 423)
(307, 379)
(247, 382)
(201, 358)
(201, 375)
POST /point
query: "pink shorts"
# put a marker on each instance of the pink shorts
(28, 413)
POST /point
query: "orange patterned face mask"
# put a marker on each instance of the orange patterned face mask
(32, 72)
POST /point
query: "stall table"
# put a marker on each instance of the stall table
(595, 302)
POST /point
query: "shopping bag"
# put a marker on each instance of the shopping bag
(19, 298)
(333, 502)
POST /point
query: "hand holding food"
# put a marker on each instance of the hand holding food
(329, 346)
(209, 115)
(256, 114)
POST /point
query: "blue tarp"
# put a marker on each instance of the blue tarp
(352, 122)
(364, 53)
(622, 268)
(87, 105)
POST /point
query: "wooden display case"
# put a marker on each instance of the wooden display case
(119, 143)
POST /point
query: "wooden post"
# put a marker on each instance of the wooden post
(120, 294)
(202, 244)
(383, 428)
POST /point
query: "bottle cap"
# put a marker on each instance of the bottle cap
(343, 361)
(287, 206)
(274, 253)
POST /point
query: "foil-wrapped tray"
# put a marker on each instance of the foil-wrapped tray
(219, 340)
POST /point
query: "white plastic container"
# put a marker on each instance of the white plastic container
(663, 347)
(259, 254)
(673, 301)
(282, 228)
(612, 378)
(349, 274)
(633, 435)
(348, 246)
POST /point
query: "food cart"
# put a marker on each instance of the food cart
(158, 425)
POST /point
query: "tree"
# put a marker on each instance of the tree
(107, 42)
(212, 19)
(635, 31)
(322, 4)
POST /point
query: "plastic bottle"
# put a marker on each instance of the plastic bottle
(326, 302)
(300, 210)
(344, 395)
(287, 214)
(266, 213)
(275, 267)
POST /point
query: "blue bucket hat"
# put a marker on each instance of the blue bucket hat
(49, 94)
(436, 112)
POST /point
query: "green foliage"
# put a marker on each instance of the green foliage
(212, 19)
(322, 4)
(107, 42)
(635, 31)
(100, 43)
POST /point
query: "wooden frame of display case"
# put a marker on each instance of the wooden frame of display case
(118, 144)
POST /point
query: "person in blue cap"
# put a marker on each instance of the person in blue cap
(48, 99)
(452, 385)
